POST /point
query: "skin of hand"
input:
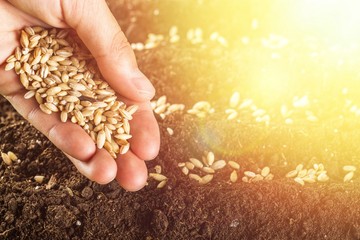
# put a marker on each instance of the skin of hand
(99, 30)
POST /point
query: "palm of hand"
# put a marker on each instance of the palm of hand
(96, 164)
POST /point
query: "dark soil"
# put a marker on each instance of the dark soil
(76, 208)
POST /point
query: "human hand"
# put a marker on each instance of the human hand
(98, 29)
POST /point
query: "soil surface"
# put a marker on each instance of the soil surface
(68, 206)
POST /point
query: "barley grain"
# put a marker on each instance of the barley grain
(157, 176)
(219, 164)
(197, 163)
(234, 165)
(348, 176)
(6, 159)
(349, 168)
(233, 176)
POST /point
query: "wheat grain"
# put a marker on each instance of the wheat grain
(349, 168)
(157, 176)
(219, 164)
(6, 159)
(234, 165)
(197, 163)
(233, 176)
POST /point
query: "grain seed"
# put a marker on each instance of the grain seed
(234, 165)
(219, 164)
(39, 179)
(197, 163)
(233, 176)
(206, 179)
(190, 165)
(292, 174)
(194, 177)
(323, 177)
(210, 158)
(348, 176)
(6, 159)
(100, 140)
(249, 174)
(208, 170)
(185, 170)
(157, 176)
(299, 181)
(161, 184)
(349, 168)
(265, 171)
(12, 156)
(170, 131)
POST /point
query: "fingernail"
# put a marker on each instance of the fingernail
(145, 88)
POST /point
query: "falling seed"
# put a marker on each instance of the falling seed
(249, 174)
(234, 165)
(265, 171)
(157, 176)
(197, 163)
(219, 164)
(206, 179)
(233, 176)
(39, 179)
(170, 131)
(348, 176)
(185, 170)
(161, 184)
(6, 159)
(300, 181)
(349, 168)
(292, 174)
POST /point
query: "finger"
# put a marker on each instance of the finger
(132, 172)
(68, 137)
(100, 32)
(101, 168)
(145, 141)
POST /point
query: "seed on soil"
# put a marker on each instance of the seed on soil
(234, 165)
(157, 176)
(219, 164)
(249, 174)
(208, 170)
(185, 170)
(233, 176)
(158, 169)
(39, 179)
(349, 168)
(60, 73)
(265, 171)
(323, 177)
(269, 177)
(299, 181)
(197, 163)
(181, 164)
(6, 159)
(170, 131)
(348, 176)
(190, 165)
(235, 99)
(257, 178)
(299, 167)
(210, 158)
(194, 177)
(206, 179)
(292, 174)
(12, 156)
(161, 184)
